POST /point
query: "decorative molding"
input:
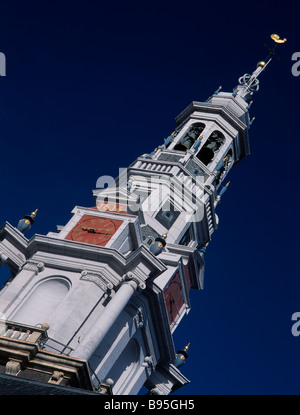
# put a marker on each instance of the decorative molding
(148, 364)
(129, 276)
(136, 312)
(57, 377)
(12, 367)
(34, 266)
(3, 258)
(97, 279)
(139, 318)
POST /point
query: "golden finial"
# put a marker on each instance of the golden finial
(277, 39)
(261, 64)
(164, 235)
(33, 214)
(186, 347)
(227, 184)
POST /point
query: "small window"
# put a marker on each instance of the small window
(187, 237)
(149, 240)
(148, 234)
(167, 215)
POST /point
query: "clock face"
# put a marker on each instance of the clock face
(174, 297)
(94, 230)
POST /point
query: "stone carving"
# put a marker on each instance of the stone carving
(97, 279)
(12, 367)
(34, 266)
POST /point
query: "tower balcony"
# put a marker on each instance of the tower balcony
(26, 368)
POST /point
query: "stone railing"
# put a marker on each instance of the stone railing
(22, 332)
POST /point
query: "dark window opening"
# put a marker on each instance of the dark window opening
(212, 145)
(148, 234)
(149, 240)
(167, 215)
(190, 137)
(187, 237)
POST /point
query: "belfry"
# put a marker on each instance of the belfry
(92, 307)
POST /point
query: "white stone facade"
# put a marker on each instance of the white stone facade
(107, 304)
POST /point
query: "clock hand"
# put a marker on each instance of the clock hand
(94, 230)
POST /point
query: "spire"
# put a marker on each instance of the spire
(248, 84)
(224, 188)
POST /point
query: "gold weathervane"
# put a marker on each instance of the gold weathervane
(277, 39)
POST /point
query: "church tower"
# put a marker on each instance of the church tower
(91, 308)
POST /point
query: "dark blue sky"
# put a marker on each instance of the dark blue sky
(91, 86)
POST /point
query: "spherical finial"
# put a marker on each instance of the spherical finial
(45, 326)
(261, 64)
(33, 214)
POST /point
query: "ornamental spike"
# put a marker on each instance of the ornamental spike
(224, 189)
(249, 105)
(203, 248)
(153, 152)
(170, 138)
(235, 92)
(251, 122)
(197, 143)
(218, 90)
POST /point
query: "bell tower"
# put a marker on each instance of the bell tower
(92, 307)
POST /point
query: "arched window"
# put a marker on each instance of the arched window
(42, 302)
(190, 137)
(212, 146)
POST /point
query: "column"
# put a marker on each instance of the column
(106, 319)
